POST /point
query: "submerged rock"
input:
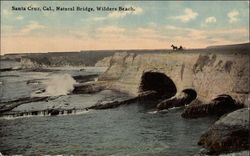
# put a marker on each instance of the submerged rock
(186, 97)
(230, 133)
(220, 105)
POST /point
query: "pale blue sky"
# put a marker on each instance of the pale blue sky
(153, 25)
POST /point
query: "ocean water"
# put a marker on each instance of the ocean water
(127, 130)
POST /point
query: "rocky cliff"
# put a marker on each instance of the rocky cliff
(104, 62)
(99, 58)
(209, 72)
(57, 59)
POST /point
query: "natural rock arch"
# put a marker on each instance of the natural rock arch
(184, 98)
(159, 82)
(191, 95)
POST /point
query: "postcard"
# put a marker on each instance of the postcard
(124, 78)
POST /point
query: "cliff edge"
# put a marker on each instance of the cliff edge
(209, 72)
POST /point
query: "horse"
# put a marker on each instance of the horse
(174, 47)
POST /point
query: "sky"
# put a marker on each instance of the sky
(151, 25)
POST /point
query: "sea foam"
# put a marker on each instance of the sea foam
(58, 84)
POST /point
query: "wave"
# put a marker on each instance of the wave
(57, 84)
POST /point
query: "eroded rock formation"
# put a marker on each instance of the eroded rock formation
(154, 87)
(185, 98)
(147, 98)
(229, 133)
(158, 82)
(219, 106)
(209, 71)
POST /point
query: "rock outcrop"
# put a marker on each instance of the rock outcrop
(219, 106)
(154, 87)
(230, 133)
(147, 99)
(185, 98)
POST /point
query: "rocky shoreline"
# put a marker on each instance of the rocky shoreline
(165, 81)
(229, 134)
(208, 84)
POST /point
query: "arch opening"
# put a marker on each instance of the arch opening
(158, 82)
(191, 95)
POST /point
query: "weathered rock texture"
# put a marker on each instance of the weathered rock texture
(185, 98)
(230, 133)
(218, 106)
(208, 72)
(158, 82)
(147, 99)
(104, 62)
(56, 59)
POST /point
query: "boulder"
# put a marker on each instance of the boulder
(219, 106)
(229, 134)
(185, 98)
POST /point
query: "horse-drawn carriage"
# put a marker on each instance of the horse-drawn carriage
(176, 48)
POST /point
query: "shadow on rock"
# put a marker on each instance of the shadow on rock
(158, 82)
(144, 98)
(219, 106)
(185, 98)
(154, 87)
